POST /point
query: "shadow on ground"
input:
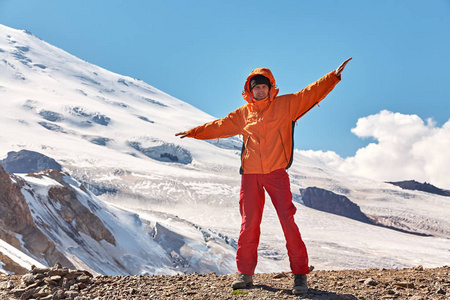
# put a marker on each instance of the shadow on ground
(312, 294)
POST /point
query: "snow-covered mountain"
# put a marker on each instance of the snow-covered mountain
(114, 135)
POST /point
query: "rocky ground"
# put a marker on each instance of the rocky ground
(62, 283)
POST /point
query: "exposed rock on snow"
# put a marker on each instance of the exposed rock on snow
(424, 187)
(165, 152)
(52, 127)
(25, 161)
(97, 140)
(86, 118)
(330, 202)
(51, 115)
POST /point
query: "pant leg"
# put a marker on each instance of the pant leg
(277, 186)
(251, 205)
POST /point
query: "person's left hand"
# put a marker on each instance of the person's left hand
(181, 134)
(341, 67)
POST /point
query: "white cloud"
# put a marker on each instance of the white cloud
(406, 148)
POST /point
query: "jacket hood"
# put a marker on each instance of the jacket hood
(247, 95)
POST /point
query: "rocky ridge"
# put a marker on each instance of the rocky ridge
(424, 187)
(330, 202)
(416, 283)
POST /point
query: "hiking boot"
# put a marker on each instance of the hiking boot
(242, 281)
(300, 284)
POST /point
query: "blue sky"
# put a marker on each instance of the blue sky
(202, 51)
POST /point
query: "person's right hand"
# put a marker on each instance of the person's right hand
(341, 67)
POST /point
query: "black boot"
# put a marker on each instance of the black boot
(300, 284)
(242, 281)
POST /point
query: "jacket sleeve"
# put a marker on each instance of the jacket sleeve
(302, 101)
(221, 128)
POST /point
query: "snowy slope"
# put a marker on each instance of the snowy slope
(115, 133)
(17, 256)
(128, 251)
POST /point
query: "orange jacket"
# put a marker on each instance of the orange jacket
(267, 125)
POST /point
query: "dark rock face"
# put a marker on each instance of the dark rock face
(330, 202)
(26, 161)
(72, 211)
(424, 187)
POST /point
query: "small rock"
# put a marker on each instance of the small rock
(370, 281)
(403, 284)
(10, 285)
(71, 294)
(390, 292)
(27, 294)
(40, 270)
(418, 268)
(280, 275)
(18, 292)
(441, 291)
(28, 279)
(39, 276)
(50, 282)
(83, 278)
(58, 272)
(55, 278)
(34, 285)
(57, 266)
(58, 294)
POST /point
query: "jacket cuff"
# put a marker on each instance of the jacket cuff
(190, 133)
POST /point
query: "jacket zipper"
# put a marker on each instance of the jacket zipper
(244, 154)
(282, 143)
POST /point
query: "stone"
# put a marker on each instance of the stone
(55, 278)
(28, 279)
(27, 294)
(418, 268)
(18, 292)
(10, 285)
(71, 294)
(83, 278)
(280, 275)
(404, 284)
(370, 281)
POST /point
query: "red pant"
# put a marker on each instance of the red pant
(251, 204)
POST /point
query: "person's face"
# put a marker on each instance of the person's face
(260, 91)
